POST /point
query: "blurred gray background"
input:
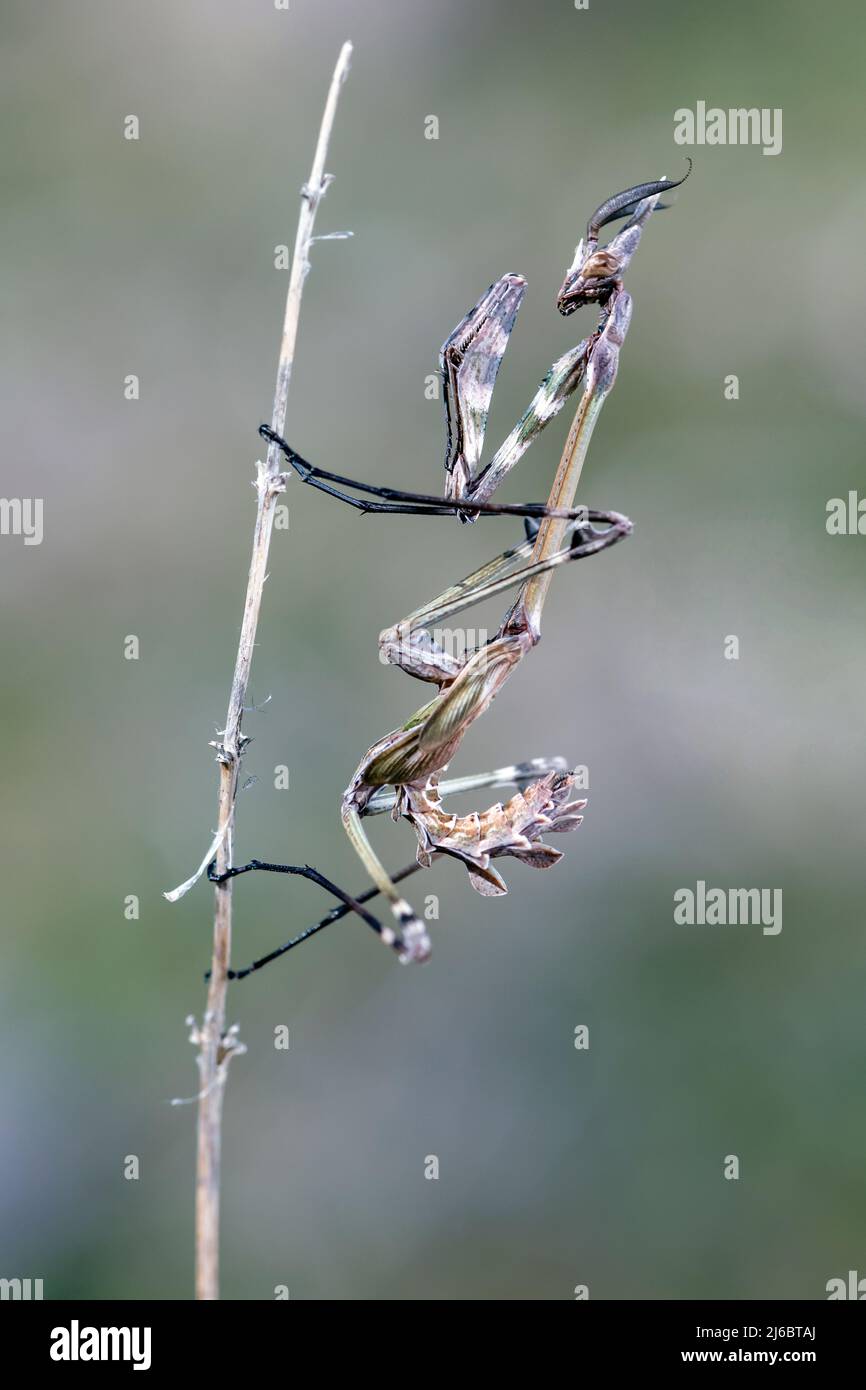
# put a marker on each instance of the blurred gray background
(557, 1167)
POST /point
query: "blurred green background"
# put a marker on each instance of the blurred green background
(557, 1167)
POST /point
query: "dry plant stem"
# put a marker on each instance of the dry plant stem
(215, 1048)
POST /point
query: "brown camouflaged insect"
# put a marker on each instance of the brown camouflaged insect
(400, 773)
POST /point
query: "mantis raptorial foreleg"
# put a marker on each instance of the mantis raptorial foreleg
(400, 772)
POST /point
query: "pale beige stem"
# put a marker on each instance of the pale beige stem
(215, 1046)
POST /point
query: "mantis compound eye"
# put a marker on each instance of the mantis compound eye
(592, 281)
(601, 265)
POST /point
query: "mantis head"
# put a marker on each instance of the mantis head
(595, 274)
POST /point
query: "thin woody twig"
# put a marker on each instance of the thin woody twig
(216, 1046)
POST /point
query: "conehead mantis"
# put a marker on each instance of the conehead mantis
(400, 773)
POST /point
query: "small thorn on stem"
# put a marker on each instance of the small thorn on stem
(332, 236)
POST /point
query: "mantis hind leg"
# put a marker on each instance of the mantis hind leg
(410, 939)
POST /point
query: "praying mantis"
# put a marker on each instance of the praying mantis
(400, 773)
